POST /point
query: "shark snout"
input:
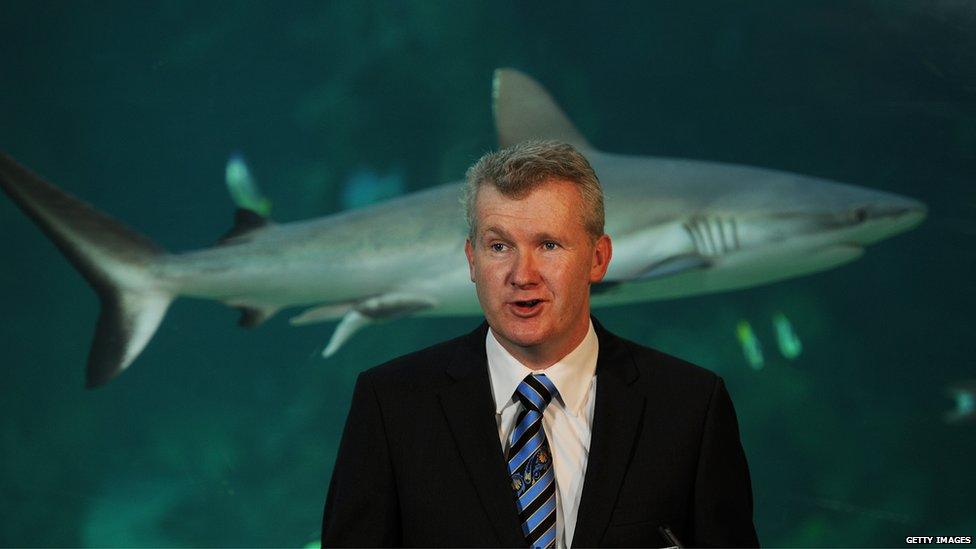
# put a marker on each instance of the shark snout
(902, 208)
(890, 216)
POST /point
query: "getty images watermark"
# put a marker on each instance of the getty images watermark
(928, 540)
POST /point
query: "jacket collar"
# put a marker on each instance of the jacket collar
(617, 421)
(470, 412)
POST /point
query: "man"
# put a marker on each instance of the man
(540, 428)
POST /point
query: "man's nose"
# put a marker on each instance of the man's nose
(525, 272)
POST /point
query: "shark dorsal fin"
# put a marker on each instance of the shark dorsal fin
(525, 110)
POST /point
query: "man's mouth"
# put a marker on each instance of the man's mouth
(526, 307)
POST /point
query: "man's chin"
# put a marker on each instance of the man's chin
(525, 339)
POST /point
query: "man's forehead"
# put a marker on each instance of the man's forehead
(553, 208)
(541, 228)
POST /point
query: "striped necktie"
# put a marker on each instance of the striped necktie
(530, 463)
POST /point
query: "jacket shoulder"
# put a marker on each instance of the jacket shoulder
(655, 365)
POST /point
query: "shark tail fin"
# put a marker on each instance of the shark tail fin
(524, 110)
(114, 259)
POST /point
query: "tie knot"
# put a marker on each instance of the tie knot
(536, 392)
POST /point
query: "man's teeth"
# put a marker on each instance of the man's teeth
(528, 303)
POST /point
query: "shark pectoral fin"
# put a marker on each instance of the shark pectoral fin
(374, 309)
(350, 324)
(670, 266)
(321, 313)
(674, 265)
(391, 306)
(524, 110)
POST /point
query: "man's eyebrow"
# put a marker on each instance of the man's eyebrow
(547, 236)
(497, 230)
(502, 233)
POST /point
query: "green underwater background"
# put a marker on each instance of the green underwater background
(224, 436)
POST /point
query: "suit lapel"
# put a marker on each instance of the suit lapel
(616, 426)
(470, 412)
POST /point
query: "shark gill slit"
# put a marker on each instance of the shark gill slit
(689, 228)
(721, 235)
(729, 227)
(712, 246)
(701, 238)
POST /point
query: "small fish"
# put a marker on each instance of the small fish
(964, 394)
(750, 344)
(786, 338)
(243, 187)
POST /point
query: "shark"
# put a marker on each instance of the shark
(680, 227)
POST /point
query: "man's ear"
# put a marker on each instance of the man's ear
(469, 252)
(602, 252)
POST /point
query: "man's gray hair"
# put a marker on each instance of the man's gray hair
(518, 170)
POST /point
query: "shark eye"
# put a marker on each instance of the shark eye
(860, 215)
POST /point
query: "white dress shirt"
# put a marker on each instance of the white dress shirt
(567, 420)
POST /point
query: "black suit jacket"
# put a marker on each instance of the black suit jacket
(420, 463)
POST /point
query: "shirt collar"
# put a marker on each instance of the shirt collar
(571, 374)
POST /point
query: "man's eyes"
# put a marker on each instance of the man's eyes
(548, 245)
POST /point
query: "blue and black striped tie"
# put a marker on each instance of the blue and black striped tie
(530, 463)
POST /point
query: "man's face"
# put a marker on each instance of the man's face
(532, 262)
